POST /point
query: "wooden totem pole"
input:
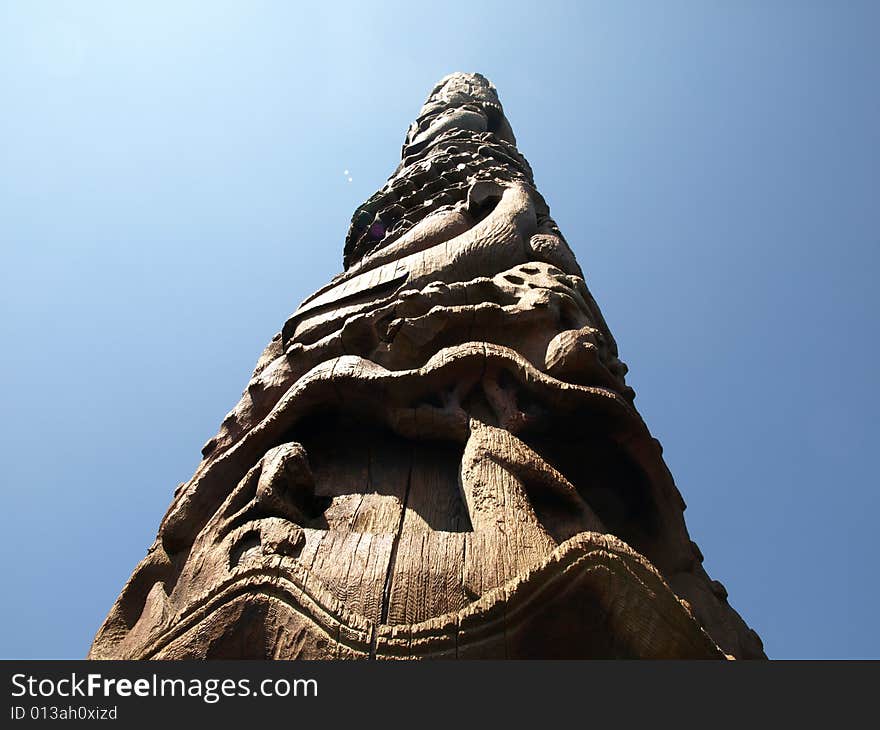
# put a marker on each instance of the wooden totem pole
(437, 456)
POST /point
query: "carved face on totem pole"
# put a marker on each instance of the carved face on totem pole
(438, 456)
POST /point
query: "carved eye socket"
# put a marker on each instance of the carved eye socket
(493, 117)
(248, 546)
(481, 210)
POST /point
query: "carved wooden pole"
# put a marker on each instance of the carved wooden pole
(437, 456)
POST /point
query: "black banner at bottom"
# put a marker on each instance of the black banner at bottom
(453, 694)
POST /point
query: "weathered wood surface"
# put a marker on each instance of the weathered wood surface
(438, 456)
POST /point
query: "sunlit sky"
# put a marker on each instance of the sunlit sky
(175, 177)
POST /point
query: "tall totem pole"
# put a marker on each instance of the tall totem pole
(437, 456)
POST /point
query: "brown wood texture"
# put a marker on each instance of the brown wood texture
(438, 456)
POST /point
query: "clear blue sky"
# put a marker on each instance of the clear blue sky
(172, 185)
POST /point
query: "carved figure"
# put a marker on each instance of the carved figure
(438, 456)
